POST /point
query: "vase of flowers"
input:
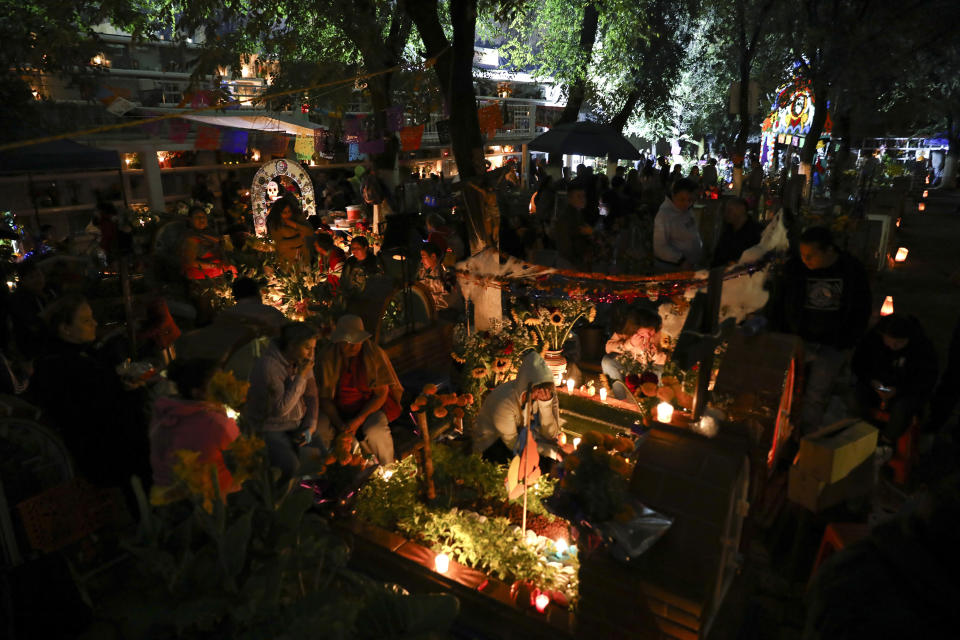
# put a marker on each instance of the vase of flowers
(551, 322)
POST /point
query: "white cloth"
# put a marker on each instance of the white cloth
(675, 235)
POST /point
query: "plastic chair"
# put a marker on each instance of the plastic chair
(907, 447)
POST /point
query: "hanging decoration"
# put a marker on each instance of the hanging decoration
(790, 118)
(411, 138)
(491, 119)
(234, 141)
(208, 138)
(266, 175)
(304, 147)
(179, 130)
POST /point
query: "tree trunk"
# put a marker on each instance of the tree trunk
(620, 119)
(949, 178)
(577, 91)
(841, 130)
(809, 148)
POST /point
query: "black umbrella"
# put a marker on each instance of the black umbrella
(585, 139)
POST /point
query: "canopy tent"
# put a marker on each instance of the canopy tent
(258, 120)
(58, 155)
(585, 139)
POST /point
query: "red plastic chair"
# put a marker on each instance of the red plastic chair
(905, 454)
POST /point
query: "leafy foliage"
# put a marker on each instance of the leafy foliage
(489, 358)
(259, 564)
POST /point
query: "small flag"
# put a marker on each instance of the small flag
(179, 130)
(372, 146)
(351, 130)
(234, 141)
(207, 138)
(323, 143)
(120, 106)
(394, 117)
(303, 147)
(525, 466)
(411, 138)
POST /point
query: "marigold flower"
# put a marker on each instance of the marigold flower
(479, 372)
(556, 319)
(429, 389)
(649, 389)
(440, 412)
(666, 394)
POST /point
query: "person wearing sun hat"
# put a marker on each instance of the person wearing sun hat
(359, 392)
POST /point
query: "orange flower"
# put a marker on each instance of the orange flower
(479, 372)
(665, 393)
(440, 412)
(429, 389)
(457, 412)
(421, 400)
(592, 439)
(624, 444)
(466, 399)
(609, 441)
(649, 389)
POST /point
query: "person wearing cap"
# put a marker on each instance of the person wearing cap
(281, 403)
(502, 413)
(359, 392)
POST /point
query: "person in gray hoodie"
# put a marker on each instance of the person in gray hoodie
(501, 415)
(282, 400)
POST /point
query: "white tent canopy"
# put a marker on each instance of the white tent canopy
(258, 120)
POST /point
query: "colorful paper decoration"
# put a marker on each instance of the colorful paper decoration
(443, 131)
(152, 129)
(119, 106)
(411, 138)
(273, 144)
(323, 143)
(394, 117)
(179, 130)
(303, 147)
(207, 138)
(351, 130)
(491, 119)
(234, 141)
(372, 146)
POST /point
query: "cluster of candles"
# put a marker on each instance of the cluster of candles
(571, 385)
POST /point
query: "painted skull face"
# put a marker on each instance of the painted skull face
(273, 190)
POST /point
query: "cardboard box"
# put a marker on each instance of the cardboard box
(834, 451)
(816, 495)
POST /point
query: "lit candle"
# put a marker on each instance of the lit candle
(561, 546)
(887, 308)
(576, 442)
(664, 412)
(901, 254)
(925, 193)
(386, 474)
(603, 394)
(563, 438)
(541, 602)
(570, 385)
(921, 207)
(441, 563)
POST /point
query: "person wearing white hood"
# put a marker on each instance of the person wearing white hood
(501, 415)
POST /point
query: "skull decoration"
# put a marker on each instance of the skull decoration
(273, 190)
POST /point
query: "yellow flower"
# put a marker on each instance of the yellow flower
(244, 457)
(196, 477)
(532, 322)
(556, 319)
(479, 372)
(224, 387)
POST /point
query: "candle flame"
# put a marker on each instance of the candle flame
(887, 308)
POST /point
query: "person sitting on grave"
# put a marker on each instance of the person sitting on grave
(436, 278)
(361, 264)
(359, 391)
(190, 422)
(503, 412)
(637, 336)
(250, 309)
(896, 369)
(282, 401)
(291, 236)
(330, 257)
(740, 232)
(201, 254)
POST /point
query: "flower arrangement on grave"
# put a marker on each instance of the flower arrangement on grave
(596, 477)
(441, 408)
(491, 357)
(472, 520)
(225, 388)
(552, 320)
(675, 387)
(183, 207)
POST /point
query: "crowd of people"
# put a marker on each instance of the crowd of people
(310, 393)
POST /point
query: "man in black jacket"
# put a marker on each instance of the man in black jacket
(824, 297)
(896, 369)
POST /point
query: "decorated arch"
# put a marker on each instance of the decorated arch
(266, 188)
(790, 118)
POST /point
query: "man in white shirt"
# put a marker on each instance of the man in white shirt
(677, 245)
